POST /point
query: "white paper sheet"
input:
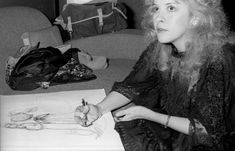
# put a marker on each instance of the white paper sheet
(101, 136)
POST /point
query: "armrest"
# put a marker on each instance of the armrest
(127, 44)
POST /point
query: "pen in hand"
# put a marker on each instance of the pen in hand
(84, 103)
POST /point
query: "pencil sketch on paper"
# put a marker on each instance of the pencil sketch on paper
(27, 120)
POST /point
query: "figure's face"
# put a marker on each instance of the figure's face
(171, 21)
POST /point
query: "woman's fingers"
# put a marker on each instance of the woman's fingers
(78, 120)
(86, 115)
(82, 109)
(86, 109)
(79, 115)
(121, 116)
(129, 114)
(120, 113)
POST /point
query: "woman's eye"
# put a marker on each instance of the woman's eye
(171, 8)
(154, 9)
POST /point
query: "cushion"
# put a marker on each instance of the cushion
(47, 37)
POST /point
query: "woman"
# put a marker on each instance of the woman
(181, 86)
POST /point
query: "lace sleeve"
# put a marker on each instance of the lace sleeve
(208, 106)
(140, 78)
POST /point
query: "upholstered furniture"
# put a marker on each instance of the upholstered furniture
(122, 48)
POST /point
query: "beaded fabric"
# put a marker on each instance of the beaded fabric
(207, 104)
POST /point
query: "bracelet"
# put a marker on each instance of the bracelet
(167, 121)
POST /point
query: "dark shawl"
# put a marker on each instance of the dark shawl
(209, 102)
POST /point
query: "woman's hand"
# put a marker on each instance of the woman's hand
(86, 115)
(132, 113)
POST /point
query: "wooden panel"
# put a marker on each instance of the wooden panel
(48, 7)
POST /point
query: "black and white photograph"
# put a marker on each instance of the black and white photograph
(117, 75)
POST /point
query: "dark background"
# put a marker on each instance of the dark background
(229, 9)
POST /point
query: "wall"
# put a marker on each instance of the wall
(48, 7)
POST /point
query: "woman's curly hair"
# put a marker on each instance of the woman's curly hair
(209, 35)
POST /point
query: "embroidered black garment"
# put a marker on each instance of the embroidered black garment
(208, 103)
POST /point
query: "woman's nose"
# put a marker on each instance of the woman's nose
(160, 17)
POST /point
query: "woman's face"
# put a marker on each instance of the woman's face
(171, 21)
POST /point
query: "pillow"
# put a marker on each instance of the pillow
(47, 37)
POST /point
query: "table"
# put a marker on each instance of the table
(101, 136)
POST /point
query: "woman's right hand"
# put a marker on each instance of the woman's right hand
(86, 115)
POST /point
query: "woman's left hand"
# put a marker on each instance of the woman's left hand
(131, 113)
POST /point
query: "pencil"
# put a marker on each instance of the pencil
(84, 103)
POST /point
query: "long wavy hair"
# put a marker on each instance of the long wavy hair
(209, 35)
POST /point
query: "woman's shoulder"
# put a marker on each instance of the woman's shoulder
(229, 50)
(151, 48)
(224, 55)
(222, 61)
(149, 54)
(229, 58)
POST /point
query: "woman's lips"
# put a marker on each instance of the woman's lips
(159, 30)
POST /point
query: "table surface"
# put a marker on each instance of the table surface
(101, 136)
